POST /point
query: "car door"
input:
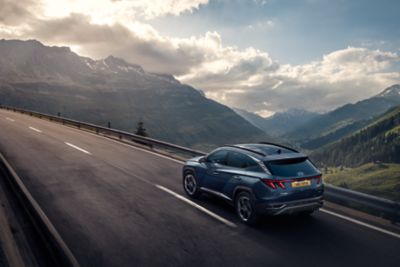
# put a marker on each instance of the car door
(223, 173)
(215, 173)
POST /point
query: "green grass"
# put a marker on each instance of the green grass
(381, 180)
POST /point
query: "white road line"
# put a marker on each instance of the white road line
(78, 148)
(34, 129)
(361, 223)
(181, 162)
(206, 211)
(10, 119)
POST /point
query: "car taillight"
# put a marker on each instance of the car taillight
(318, 179)
(274, 183)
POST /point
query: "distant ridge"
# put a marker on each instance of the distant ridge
(330, 127)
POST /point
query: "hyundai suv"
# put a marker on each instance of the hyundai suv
(258, 179)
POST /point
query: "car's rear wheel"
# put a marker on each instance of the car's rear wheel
(245, 208)
(190, 185)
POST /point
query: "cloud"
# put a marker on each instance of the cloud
(156, 8)
(12, 12)
(246, 78)
(257, 83)
(111, 11)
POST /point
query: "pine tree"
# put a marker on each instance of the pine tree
(140, 130)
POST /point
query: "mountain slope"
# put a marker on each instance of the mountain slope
(382, 180)
(284, 122)
(378, 141)
(54, 79)
(253, 118)
(332, 126)
(279, 123)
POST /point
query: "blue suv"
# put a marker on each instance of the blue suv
(257, 179)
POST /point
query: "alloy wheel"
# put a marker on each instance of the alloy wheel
(190, 184)
(244, 207)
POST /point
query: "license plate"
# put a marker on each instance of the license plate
(301, 183)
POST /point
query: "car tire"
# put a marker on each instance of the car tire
(190, 185)
(245, 208)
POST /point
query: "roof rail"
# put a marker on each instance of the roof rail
(269, 143)
(248, 149)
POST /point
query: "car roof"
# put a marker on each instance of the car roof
(261, 151)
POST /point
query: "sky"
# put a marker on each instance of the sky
(264, 56)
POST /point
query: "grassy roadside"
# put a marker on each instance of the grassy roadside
(381, 179)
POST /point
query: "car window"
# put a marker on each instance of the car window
(239, 160)
(292, 168)
(218, 157)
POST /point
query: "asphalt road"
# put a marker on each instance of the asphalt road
(115, 205)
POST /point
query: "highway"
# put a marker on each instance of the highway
(117, 205)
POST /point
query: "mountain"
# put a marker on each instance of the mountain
(253, 118)
(55, 79)
(378, 141)
(330, 127)
(284, 122)
(279, 123)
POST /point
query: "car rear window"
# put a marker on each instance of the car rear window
(293, 168)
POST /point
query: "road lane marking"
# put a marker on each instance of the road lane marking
(206, 211)
(361, 223)
(10, 119)
(34, 129)
(78, 148)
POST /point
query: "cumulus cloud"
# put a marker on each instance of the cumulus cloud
(117, 10)
(340, 77)
(247, 78)
(12, 12)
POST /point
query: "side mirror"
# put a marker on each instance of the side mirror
(203, 159)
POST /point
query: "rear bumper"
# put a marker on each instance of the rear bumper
(290, 207)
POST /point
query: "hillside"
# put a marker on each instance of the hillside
(54, 79)
(253, 118)
(381, 180)
(378, 141)
(334, 125)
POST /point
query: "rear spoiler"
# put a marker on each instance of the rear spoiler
(285, 157)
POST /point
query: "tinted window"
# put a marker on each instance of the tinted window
(292, 168)
(239, 160)
(218, 157)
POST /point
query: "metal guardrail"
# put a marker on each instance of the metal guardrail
(56, 249)
(375, 205)
(371, 204)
